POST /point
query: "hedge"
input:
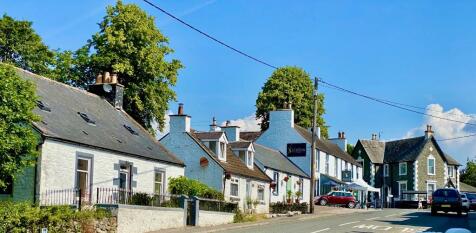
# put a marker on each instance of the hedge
(19, 217)
(183, 185)
(282, 208)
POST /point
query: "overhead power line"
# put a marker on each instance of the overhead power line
(455, 138)
(210, 36)
(401, 106)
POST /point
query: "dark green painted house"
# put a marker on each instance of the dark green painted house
(413, 164)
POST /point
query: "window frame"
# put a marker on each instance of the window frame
(386, 169)
(452, 169)
(427, 189)
(222, 148)
(233, 182)
(431, 157)
(400, 188)
(249, 159)
(326, 168)
(400, 169)
(276, 180)
(162, 182)
(260, 187)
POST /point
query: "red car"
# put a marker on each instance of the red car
(336, 198)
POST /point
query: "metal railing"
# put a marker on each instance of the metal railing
(72, 196)
(217, 205)
(130, 197)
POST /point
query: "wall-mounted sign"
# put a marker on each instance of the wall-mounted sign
(347, 176)
(296, 150)
(203, 162)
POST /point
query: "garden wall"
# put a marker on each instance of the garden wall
(212, 218)
(138, 219)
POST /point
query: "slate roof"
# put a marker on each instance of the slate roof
(240, 144)
(109, 132)
(274, 159)
(209, 135)
(403, 150)
(233, 164)
(466, 188)
(326, 146)
(250, 135)
(375, 150)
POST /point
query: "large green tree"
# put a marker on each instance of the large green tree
(22, 47)
(290, 84)
(17, 138)
(468, 175)
(129, 44)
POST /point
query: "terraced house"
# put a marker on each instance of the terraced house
(413, 164)
(88, 143)
(221, 160)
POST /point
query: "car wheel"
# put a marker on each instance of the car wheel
(351, 204)
(323, 202)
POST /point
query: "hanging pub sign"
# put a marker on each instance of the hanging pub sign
(296, 150)
(347, 176)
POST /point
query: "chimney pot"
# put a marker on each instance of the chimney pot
(342, 134)
(106, 77)
(227, 123)
(99, 79)
(114, 78)
(180, 109)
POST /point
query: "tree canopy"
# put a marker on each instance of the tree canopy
(290, 84)
(468, 175)
(22, 47)
(17, 137)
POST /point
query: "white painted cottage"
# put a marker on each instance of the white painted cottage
(219, 159)
(88, 142)
(294, 141)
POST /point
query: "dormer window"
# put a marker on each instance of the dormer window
(249, 159)
(222, 153)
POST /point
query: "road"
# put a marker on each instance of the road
(389, 220)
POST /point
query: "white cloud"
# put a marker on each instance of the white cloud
(460, 149)
(249, 123)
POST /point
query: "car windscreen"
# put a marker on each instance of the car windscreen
(446, 193)
(471, 195)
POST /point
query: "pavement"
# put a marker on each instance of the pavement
(336, 220)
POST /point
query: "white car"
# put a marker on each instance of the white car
(465, 202)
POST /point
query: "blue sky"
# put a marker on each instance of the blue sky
(415, 52)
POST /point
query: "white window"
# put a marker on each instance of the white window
(451, 171)
(261, 193)
(249, 159)
(327, 164)
(402, 168)
(276, 181)
(335, 167)
(431, 165)
(242, 155)
(402, 186)
(222, 154)
(234, 188)
(385, 170)
(159, 182)
(213, 146)
(125, 176)
(430, 188)
(83, 176)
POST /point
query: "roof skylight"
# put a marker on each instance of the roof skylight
(86, 118)
(42, 106)
(132, 131)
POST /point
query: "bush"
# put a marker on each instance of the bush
(183, 185)
(282, 208)
(23, 217)
(140, 199)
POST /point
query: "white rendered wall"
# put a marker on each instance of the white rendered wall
(261, 208)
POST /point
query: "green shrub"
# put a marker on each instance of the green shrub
(183, 185)
(23, 217)
(241, 217)
(140, 199)
(282, 208)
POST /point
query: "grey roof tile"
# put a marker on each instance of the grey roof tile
(274, 159)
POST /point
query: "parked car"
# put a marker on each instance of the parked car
(464, 202)
(447, 200)
(336, 198)
(472, 200)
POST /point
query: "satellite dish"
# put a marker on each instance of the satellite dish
(107, 88)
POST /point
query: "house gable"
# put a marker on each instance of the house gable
(432, 151)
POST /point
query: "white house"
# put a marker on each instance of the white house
(89, 143)
(218, 159)
(294, 141)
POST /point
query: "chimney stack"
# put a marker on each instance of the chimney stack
(374, 137)
(342, 135)
(180, 109)
(108, 87)
(232, 132)
(428, 132)
(340, 141)
(213, 126)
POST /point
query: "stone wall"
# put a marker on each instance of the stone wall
(139, 219)
(211, 218)
(106, 225)
(423, 177)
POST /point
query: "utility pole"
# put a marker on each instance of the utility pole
(313, 149)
